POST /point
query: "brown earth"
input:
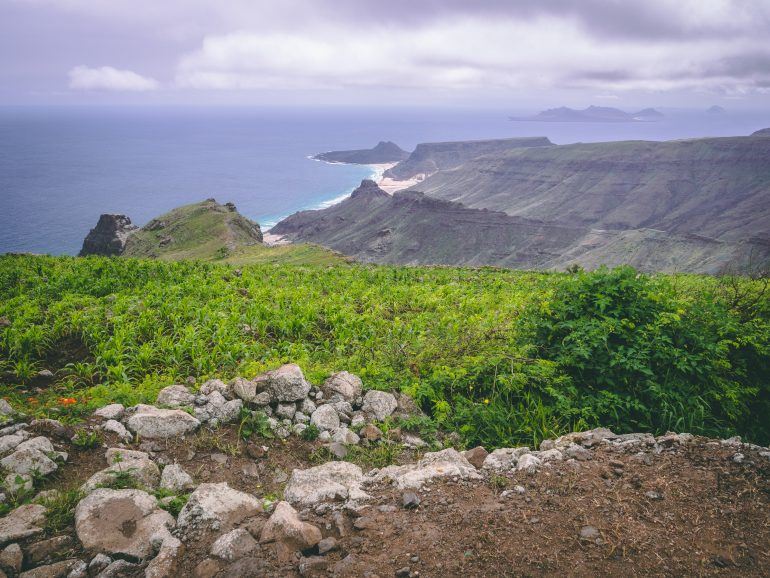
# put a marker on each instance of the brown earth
(690, 510)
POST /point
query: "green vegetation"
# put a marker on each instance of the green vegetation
(502, 357)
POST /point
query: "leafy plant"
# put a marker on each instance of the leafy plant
(85, 439)
(254, 423)
(310, 433)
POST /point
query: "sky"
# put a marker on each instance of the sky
(513, 53)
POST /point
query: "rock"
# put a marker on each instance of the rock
(379, 404)
(312, 566)
(503, 459)
(587, 439)
(344, 385)
(98, 563)
(339, 450)
(170, 552)
(217, 385)
(325, 418)
(413, 441)
(174, 478)
(301, 418)
(404, 572)
(344, 436)
(120, 522)
(476, 456)
(216, 507)
(285, 527)
(208, 568)
(153, 423)
(410, 500)
(112, 411)
(10, 442)
(52, 548)
(328, 482)
(109, 237)
(134, 464)
(589, 533)
(528, 463)
(325, 436)
(364, 523)
(234, 545)
(371, 432)
(327, 545)
(18, 483)
(56, 570)
(652, 495)
(553, 455)
(246, 390)
(39, 443)
(287, 383)
(117, 428)
(5, 408)
(446, 463)
(28, 461)
(576, 452)
(175, 396)
(217, 410)
(11, 558)
(285, 410)
(52, 428)
(119, 569)
(23, 522)
(307, 406)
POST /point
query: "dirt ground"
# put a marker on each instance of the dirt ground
(691, 511)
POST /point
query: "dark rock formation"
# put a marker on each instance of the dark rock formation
(762, 132)
(384, 152)
(109, 236)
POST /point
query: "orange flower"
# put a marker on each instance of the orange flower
(33, 400)
(67, 400)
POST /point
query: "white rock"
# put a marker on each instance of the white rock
(307, 406)
(344, 436)
(553, 455)
(117, 428)
(174, 478)
(29, 461)
(120, 522)
(325, 418)
(15, 483)
(446, 463)
(284, 526)
(39, 443)
(413, 441)
(218, 385)
(23, 522)
(300, 417)
(343, 385)
(112, 411)
(216, 507)
(175, 396)
(358, 420)
(325, 436)
(170, 551)
(287, 383)
(328, 482)
(298, 428)
(5, 408)
(132, 463)
(379, 404)
(152, 423)
(245, 389)
(10, 442)
(528, 463)
(503, 459)
(285, 410)
(234, 545)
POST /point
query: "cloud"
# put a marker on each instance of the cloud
(107, 78)
(472, 53)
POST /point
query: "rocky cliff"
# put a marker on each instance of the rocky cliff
(109, 237)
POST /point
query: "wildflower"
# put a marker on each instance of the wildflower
(67, 400)
(486, 400)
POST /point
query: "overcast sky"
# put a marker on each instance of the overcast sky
(525, 53)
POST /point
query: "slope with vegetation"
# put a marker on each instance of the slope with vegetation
(501, 357)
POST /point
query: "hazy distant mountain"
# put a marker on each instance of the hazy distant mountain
(715, 110)
(593, 114)
(428, 158)
(384, 152)
(700, 205)
(762, 132)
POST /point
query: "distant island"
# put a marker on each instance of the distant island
(592, 114)
(384, 152)
(716, 110)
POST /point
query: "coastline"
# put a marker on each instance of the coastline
(388, 185)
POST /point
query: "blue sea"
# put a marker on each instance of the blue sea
(60, 168)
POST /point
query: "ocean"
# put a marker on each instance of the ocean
(60, 168)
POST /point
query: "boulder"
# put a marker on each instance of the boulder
(55, 570)
(134, 464)
(23, 522)
(112, 411)
(325, 418)
(476, 456)
(285, 410)
(234, 545)
(218, 385)
(287, 383)
(285, 527)
(448, 463)
(50, 549)
(152, 423)
(379, 404)
(170, 552)
(344, 436)
(528, 463)
(503, 459)
(174, 478)
(328, 482)
(246, 390)
(39, 443)
(11, 558)
(29, 461)
(586, 439)
(109, 237)
(343, 385)
(10, 442)
(120, 522)
(175, 396)
(114, 426)
(216, 507)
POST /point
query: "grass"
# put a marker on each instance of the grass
(475, 347)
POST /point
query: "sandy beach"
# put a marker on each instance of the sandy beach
(387, 184)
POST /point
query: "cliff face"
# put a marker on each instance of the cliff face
(384, 152)
(109, 237)
(429, 158)
(415, 229)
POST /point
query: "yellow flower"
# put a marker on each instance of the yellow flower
(486, 400)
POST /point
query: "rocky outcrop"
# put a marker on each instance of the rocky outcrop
(109, 237)
(384, 152)
(216, 507)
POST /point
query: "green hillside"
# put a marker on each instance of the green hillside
(502, 357)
